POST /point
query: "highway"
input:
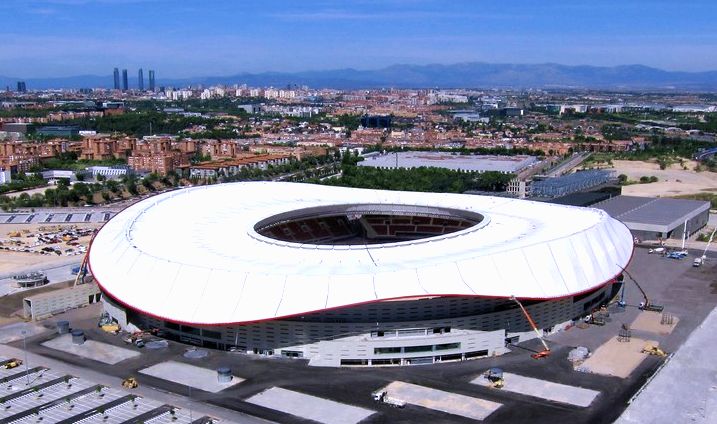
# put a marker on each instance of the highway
(567, 165)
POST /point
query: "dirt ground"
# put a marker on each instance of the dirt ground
(651, 322)
(673, 181)
(617, 359)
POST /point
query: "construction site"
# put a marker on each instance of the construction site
(66, 359)
(590, 371)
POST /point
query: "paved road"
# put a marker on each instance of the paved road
(566, 166)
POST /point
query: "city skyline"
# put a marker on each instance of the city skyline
(225, 38)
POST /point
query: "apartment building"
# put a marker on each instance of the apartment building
(214, 169)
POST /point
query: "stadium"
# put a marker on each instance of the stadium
(344, 276)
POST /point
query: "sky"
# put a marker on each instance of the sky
(192, 38)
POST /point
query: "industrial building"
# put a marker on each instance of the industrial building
(59, 131)
(345, 276)
(571, 183)
(44, 305)
(650, 218)
(452, 161)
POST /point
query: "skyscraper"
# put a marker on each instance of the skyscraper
(151, 80)
(117, 79)
(124, 80)
(140, 80)
(21, 87)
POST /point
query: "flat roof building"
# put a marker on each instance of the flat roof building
(59, 130)
(650, 218)
(452, 161)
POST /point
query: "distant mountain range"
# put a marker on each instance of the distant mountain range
(461, 75)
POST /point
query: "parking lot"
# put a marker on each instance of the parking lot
(687, 293)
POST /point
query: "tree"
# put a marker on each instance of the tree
(63, 183)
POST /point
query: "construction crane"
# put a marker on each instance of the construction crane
(546, 351)
(80, 278)
(646, 304)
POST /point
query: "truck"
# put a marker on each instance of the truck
(382, 395)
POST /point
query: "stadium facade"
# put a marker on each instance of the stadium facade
(345, 276)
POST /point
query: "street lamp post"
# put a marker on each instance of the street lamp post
(24, 348)
(190, 404)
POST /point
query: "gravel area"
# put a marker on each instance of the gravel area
(617, 359)
(190, 375)
(309, 407)
(543, 389)
(90, 349)
(452, 403)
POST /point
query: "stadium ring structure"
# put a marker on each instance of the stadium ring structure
(345, 276)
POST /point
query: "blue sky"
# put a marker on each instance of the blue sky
(182, 38)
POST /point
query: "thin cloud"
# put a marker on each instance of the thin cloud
(86, 2)
(334, 15)
(44, 11)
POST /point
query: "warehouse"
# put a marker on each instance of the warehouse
(452, 161)
(345, 276)
(650, 218)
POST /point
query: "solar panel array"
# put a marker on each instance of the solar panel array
(30, 395)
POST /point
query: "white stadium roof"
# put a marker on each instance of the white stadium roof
(193, 255)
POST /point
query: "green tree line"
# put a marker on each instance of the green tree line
(422, 179)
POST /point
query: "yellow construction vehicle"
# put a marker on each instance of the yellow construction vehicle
(130, 383)
(113, 328)
(651, 349)
(13, 363)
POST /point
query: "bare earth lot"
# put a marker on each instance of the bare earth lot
(673, 181)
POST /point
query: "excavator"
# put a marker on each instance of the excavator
(546, 350)
(646, 304)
